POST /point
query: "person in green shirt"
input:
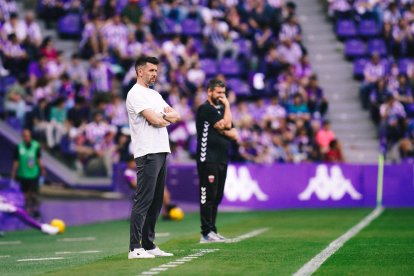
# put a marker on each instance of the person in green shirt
(27, 169)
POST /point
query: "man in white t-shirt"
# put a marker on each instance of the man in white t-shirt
(149, 115)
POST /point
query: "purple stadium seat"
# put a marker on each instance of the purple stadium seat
(377, 45)
(70, 25)
(209, 66)
(359, 65)
(345, 28)
(403, 63)
(368, 28)
(5, 83)
(199, 46)
(238, 86)
(409, 108)
(191, 27)
(245, 47)
(355, 48)
(230, 67)
(14, 123)
(171, 27)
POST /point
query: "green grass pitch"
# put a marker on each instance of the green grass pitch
(385, 247)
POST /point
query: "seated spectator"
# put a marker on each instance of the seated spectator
(334, 153)
(290, 52)
(113, 34)
(56, 127)
(34, 33)
(393, 121)
(324, 136)
(15, 100)
(403, 93)
(218, 35)
(317, 102)
(373, 71)
(15, 26)
(298, 109)
(377, 97)
(48, 49)
(15, 57)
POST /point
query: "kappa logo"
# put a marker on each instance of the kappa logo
(241, 186)
(203, 196)
(326, 186)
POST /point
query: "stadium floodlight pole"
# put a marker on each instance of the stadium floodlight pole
(380, 179)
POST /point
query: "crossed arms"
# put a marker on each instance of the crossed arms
(167, 117)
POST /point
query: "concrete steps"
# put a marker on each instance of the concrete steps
(351, 124)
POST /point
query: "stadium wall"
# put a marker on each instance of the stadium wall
(281, 186)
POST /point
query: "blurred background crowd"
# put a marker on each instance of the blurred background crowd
(74, 102)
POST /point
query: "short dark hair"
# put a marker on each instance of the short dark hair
(142, 60)
(212, 84)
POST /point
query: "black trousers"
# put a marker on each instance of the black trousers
(147, 202)
(212, 178)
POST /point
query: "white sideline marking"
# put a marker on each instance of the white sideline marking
(201, 252)
(78, 252)
(160, 235)
(247, 235)
(310, 267)
(41, 259)
(167, 266)
(4, 256)
(10, 242)
(77, 239)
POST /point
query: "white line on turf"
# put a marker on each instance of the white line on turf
(77, 252)
(247, 235)
(310, 267)
(4, 256)
(10, 242)
(77, 239)
(160, 235)
(165, 267)
(41, 259)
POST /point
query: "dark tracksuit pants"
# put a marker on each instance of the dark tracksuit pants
(212, 178)
(147, 203)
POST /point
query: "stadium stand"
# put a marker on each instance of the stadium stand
(379, 41)
(76, 105)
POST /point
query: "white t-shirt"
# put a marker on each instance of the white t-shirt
(145, 138)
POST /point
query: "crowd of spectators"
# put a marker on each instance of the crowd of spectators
(388, 76)
(76, 103)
